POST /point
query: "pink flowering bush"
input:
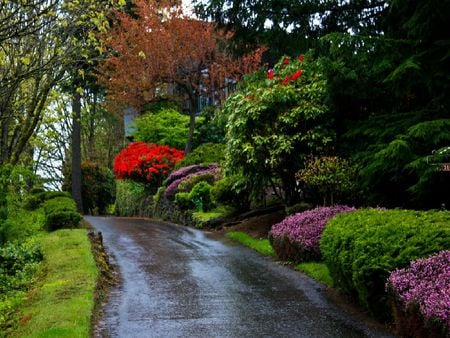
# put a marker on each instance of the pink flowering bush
(423, 288)
(297, 237)
(181, 175)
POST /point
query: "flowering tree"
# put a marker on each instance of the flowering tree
(157, 47)
(276, 121)
(146, 163)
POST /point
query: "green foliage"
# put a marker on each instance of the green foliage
(232, 190)
(131, 198)
(261, 245)
(361, 248)
(20, 225)
(274, 125)
(34, 201)
(188, 184)
(206, 153)
(60, 212)
(97, 187)
(18, 264)
(164, 126)
(210, 127)
(199, 198)
(331, 177)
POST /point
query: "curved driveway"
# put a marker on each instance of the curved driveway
(181, 282)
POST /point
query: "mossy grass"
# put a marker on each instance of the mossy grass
(60, 304)
(259, 244)
(316, 270)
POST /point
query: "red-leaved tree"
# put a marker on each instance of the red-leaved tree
(157, 50)
(146, 163)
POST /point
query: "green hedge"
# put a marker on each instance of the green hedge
(361, 248)
(60, 212)
(37, 197)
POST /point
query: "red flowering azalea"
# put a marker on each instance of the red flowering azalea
(296, 75)
(146, 163)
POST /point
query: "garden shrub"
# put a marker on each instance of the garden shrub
(183, 172)
(148, 164)
(361, 248)
(172, 188)
(60, 212)
(297, 237)
(189, 183)
(420, 296)
(233, 191)
(34, 201)
(131, 199)
(200, 196)
(207, 153)
(183, 200)
(97, 187)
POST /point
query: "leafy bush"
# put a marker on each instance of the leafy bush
(34, 201)
(189, 183)
(232, 190)
(97, 187)
(330, 177)
(207, 153)
(148, 164)
(165, 126)
(200, 195)
(60, 212)
(183, 200)
(130, 198)
(423, 286)
(172, 188)
(361, 248)
(297, 237)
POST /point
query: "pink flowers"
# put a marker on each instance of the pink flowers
(425, 283)
(303, 232)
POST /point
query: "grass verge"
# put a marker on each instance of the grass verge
(317, 270)
(261, 245)
(61, 302)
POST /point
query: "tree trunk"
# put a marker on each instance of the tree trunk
(189, 142)
(76, 151)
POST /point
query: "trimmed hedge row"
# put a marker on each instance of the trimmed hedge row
(60, 212)
(38, 197)
(361, 248)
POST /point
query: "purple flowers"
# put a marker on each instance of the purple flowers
(297, 237)
(185, 173)
(425, 283)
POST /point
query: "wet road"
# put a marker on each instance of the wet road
(181, 282)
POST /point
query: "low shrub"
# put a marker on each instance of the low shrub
(172, 188)
(207, 153)
(132, 199)
(35, 200)
(183, 200)
(233, 191)
(422, 291)
(60, 212)
(297, 237)
(183, 172)
(200, 195)
(361, 248)
(189, 183)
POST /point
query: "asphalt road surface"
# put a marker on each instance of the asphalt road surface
(181, 282)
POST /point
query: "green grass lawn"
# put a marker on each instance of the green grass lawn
(61, 302)
(316, 270)
(261, 245)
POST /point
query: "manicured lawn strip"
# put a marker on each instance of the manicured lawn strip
(316, 270)
(261, 245)
(61, 303)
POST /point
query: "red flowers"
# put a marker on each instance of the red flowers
(286, 61)
(270, 74)
(146, 163)
(296, 75)
(286, 80)
(301, 58)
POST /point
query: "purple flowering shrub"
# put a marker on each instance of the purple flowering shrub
(182, 172)
(172, 188)
(297, 237)
(423, 288)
